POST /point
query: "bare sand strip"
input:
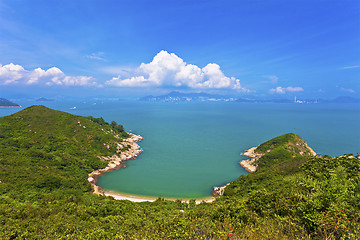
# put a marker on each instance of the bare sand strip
(313, 153)
(138, 198)
(117, 161)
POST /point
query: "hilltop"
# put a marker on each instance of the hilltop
(46, 156)
(285, 148)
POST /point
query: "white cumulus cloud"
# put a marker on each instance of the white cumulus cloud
(16, 74)
(283, 90)
(167, 69)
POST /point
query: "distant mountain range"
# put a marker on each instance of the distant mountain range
(176, 96)
(343, 99)
(6, 103)
(42, 99)
(254, 100)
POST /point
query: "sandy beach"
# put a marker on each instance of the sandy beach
(138, 198)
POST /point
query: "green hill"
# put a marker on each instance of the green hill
(46, 149)
(288, 148)
(46, 155)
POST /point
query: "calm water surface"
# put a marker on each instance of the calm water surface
(191, 147)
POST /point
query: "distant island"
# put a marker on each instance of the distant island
(4, 103)
(176, 96)
(49, 161)
(42, 99)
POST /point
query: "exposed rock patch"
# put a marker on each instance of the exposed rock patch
(251, 164)
(218, 191)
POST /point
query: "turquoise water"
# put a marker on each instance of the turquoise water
(191, 147)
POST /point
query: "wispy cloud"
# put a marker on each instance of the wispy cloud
(118, 70)
(273, 79)
(167, 69)
(283, 90)
(96, 56)
(347, 90)
(349, 67)
(13, 74)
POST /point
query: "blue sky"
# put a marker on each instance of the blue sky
(273, 48)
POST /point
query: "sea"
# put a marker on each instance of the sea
(189, 148)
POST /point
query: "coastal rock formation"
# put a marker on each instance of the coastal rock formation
(218, 191)
(251, 164)
(116, 161)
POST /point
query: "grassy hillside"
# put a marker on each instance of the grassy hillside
(45, 156)
(288, 148)
(43, 148)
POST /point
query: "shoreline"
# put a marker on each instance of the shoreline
(250, 164)
(117, 162)
(246, 164)
(140, 198)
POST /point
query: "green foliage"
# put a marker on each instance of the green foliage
(118, 128)
(46, 155)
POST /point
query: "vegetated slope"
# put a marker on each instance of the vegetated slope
(318, 196)
(288, 148)
(45, 156)
(6, 103)
(43, 148)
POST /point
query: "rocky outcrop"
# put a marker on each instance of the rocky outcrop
(117, 160)
(218, 191)
(251, 164)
